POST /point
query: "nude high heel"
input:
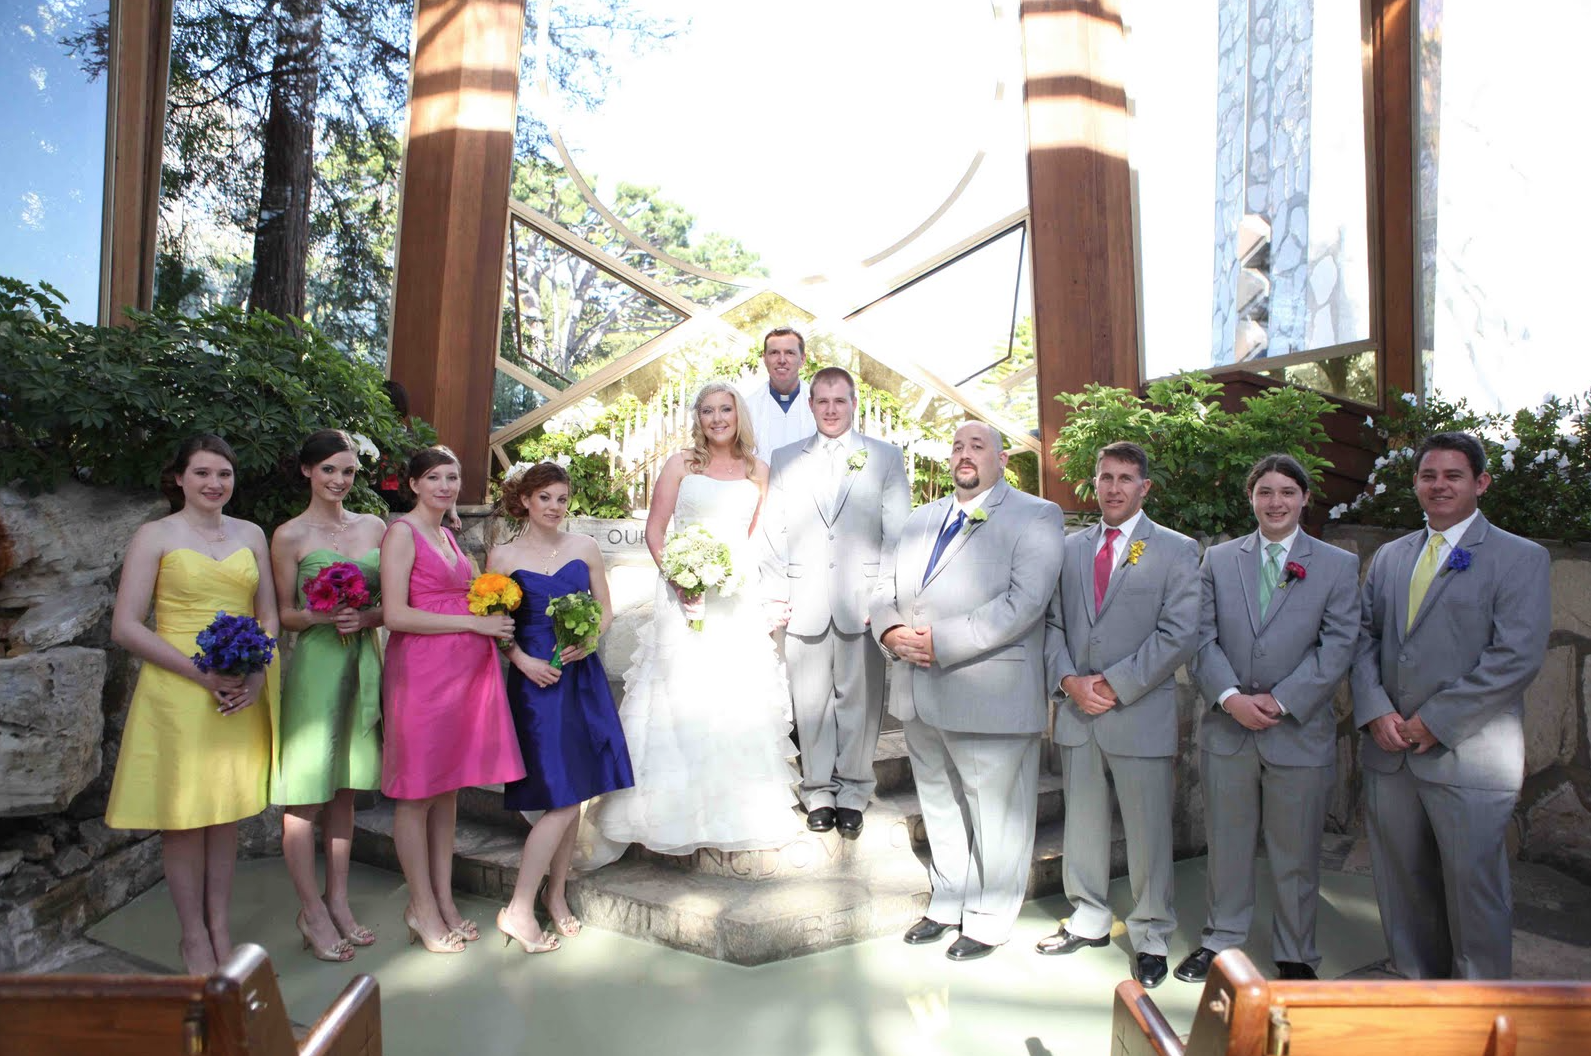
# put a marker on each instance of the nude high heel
(548, 943)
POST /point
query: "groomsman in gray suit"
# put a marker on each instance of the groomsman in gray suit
(1276, 635)
(1125, 618)
(963, 619)
(836, 504)
(1455, 620)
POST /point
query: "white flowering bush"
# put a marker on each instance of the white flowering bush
(1539, 459)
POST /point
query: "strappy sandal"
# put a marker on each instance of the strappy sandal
(337, 952)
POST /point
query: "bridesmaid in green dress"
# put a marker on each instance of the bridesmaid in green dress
(327, 742)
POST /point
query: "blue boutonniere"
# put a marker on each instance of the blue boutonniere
(1457, 561)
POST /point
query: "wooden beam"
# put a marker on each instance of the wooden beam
(140, 63)
(1394, 259)
(447, 299)
(1085, 310)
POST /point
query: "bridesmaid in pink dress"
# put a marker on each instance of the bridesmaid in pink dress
(445, 709)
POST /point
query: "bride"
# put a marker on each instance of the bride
(706, 713)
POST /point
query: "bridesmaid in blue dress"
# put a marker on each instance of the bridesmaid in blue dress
(568, 725)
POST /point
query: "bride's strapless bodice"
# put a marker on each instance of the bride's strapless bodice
(723, 507)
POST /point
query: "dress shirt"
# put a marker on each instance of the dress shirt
(972, 504)
(1124, 540)
(1287, 548)
(1450, 538)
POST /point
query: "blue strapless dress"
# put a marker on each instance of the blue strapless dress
(569, 732)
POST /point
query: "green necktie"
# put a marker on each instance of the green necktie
(1424, 573)
(1270, 575)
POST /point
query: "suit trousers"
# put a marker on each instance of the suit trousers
(979, 796)
(1243, 795)
(837, 693)
(1144, 791)
(1440, 858)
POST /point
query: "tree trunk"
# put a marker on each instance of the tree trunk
(281, 238)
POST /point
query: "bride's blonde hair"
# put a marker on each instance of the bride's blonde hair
(745, 442)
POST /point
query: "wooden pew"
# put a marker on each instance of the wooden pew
(1241, 1013)
(238, 1011)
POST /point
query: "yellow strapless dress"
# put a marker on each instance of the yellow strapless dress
(182, 764)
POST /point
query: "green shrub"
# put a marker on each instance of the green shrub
(109, 405)
(1199, 454)
(1538, 459)
(593, 492)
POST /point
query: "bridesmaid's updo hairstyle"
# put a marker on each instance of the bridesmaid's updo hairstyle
(179, 464)
(424, 461)
(523, 481)
(322, 444)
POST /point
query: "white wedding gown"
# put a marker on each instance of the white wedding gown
(706, 713)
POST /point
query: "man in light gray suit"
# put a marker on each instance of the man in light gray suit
(836, 504)
(1277, 629)
(963, 619)
(1125, 618)
(1455, 619)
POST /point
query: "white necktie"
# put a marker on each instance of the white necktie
(836, 467)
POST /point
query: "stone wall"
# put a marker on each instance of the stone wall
(64, 690)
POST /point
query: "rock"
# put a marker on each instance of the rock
(1571, 594)
(51, 720)
(33, 846)
(261, 835)
(71, 537)
(59, 620)
(1552, 720)
(26, 881)
(9, 860)
(99, 839)
(1558, 832)
(69, 861)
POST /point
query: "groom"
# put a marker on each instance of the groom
(836, 503)
(963, 619)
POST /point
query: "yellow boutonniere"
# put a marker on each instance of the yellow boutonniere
(1134, 552)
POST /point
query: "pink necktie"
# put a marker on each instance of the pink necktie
(1104, 561)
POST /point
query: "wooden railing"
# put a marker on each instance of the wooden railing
(1241, 1013)
(238, 1011)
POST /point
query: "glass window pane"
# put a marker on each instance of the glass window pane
(1350, 377)
(1256, 107)
(52, 130)
(1502, 230)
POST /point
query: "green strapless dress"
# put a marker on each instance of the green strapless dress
(326, 736)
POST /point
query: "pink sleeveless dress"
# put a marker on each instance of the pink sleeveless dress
(444, 706)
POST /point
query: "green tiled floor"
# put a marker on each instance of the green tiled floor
(603, 993)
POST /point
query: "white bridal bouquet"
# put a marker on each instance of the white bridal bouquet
(697, 562)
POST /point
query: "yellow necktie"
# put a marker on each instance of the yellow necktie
(1424, 573)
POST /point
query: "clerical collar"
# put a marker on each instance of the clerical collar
(784, 402)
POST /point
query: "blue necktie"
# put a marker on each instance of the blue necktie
(945, 536)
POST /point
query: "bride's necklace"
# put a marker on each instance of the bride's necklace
(209, 536)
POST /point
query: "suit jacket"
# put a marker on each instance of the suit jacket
(1147, 627)
(985, 603)
(826, 562)
(1298, 652)
(1477, 642)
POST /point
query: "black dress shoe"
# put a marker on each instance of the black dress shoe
(965, 949)
(849, 820)
(1195, 966)
(1064, 941)
(1150, 970)
(925, 931)
(821, 819)
(1295, 970)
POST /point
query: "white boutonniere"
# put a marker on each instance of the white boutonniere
(977, 516)
(857, 461)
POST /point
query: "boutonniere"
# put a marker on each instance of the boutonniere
(1457, 561)
(1293, 570)
(977, 516)
(1135, 551)
(857, 460)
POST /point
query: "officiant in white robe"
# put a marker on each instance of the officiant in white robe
(780, 413)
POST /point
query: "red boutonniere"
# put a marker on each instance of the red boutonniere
(1293, 570)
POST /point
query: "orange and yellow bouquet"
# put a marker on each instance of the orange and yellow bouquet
(492, 594)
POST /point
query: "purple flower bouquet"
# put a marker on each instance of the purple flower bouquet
(233, 645)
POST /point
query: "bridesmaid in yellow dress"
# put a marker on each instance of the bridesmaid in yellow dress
(196, 753)
(327, 743)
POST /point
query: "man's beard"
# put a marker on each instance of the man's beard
(967, 485)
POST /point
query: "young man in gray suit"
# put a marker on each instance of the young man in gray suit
(1277, 630)
(963, 619)
(1455, 619)
(836, 504)
(1125, 618)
